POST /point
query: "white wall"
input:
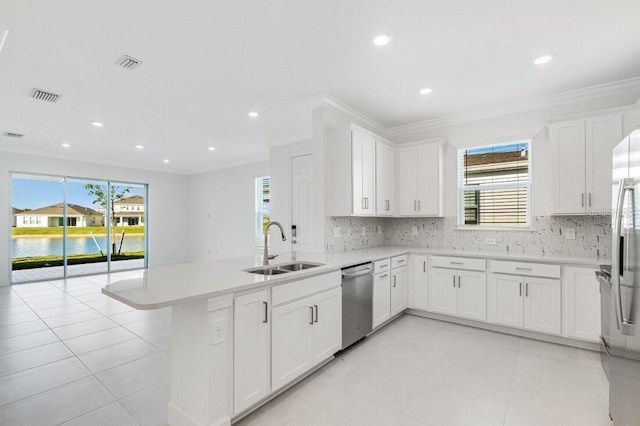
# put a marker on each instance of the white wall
(167, 203)
(220, 212)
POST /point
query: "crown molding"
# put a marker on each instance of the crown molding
(353, 114)
(522, 106)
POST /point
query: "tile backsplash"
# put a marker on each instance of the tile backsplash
(547, 237)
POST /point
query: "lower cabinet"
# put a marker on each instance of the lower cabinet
(532, 303)
(304, 333)
(417, 287)
(251, 345)
(581, 303)
(398, 290)
(458, 292)
(381, 298)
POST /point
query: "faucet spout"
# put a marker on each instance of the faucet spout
(266, 257)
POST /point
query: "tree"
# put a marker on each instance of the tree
(117, 193)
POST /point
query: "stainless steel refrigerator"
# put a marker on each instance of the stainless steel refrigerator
(620, 288)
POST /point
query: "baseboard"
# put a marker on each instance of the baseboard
(561, 340)
(178, 417)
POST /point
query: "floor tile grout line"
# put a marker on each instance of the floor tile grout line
(513, 375)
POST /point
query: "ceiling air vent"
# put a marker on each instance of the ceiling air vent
(42, 95)
(128, 62)
(12, 135)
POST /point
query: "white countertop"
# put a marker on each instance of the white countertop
(167, 285)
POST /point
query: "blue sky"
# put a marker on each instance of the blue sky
(36, 193)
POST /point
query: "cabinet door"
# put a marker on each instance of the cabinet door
(251, 344)
(581, 303)
(369, 174)
(417, 288)
(602, 134)
(568, 153)
(407, 181)
(472, 295)
(327, 325)
(428, 191)
(542, 309)
(385, 179)
(381, 298)
(505, 303)
(291, 351)
(357, 170)
(443, 291)
(398, 290)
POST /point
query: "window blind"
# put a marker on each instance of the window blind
(494, 185)
(262, 201)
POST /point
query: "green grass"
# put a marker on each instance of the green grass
(74, 259)
(72, 230)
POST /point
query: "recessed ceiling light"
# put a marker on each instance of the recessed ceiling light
(425, 90)
(212, 148)
(139, 146)
(382, 40)
(253, 114)
(97, 124)
(543, 59)
(166, 160)
(66, 145)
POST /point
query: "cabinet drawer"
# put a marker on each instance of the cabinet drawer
(525, 268)
(305, 287)
(459, 263)
(399, 261)
(381, 266)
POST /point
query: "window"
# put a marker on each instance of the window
(494, 185)
(262, 199)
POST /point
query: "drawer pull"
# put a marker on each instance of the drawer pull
(456, 263)
(384, 276)
(384, 266)
(401, 261)
(523, 269)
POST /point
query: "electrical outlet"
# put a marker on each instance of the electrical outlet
(414, 230)
(490, 241)
(336, 232)
(218, 331)
(570, 233)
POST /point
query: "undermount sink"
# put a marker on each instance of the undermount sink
(282, 269)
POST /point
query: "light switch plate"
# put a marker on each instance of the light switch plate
(414, 230)
(218, 331)
(570, 233)
(336, 232)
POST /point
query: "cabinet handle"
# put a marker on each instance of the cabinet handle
(266, 312)
(384, 276)
(589, 199)
(459, 280)
(424, 266)
(455, 263)
(418, 205)
(414, 205)
(401, 261)
(454, 281)
(523, 269)
(384, 266)
(520, 289)
(526, 290)
(364, 203)
(394, 281)
(388, 204)
(582, 202)
(311, 309)
(316, 306)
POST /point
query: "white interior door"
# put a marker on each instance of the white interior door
(302, 202)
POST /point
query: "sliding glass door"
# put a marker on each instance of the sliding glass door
(65, 227)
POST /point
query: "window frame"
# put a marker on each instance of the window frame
(461, 188)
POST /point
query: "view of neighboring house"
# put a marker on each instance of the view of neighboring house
(129, 211)
(14, 212)
(52, 216)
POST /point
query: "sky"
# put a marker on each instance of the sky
(36, 192)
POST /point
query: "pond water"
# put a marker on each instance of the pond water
(27, 247)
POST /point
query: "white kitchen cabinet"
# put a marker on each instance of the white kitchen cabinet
(519, 296)
(385, 179)
(381, 298)
(581, 152)
(363, 166)
(251, 349)
(420, 179)
(460, 292)
(304, 333)
(398, 290)
(581, 303)
(417, 287)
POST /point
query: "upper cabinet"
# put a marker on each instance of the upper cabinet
(419, 184)
(385, 179)
(363, 167)
(581, 157)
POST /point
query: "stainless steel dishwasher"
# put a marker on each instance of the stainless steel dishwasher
(357, 303)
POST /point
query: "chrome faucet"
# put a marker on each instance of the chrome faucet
(266, 257)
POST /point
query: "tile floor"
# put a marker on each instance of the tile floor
(69, 355)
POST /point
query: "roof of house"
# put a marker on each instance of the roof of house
(16, 211)
(57, 210)
(134, 199)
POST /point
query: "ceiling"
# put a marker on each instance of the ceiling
(206, 64)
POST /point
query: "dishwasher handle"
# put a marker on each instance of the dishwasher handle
(357, 274)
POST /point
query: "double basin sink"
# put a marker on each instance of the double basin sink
(282, 269)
